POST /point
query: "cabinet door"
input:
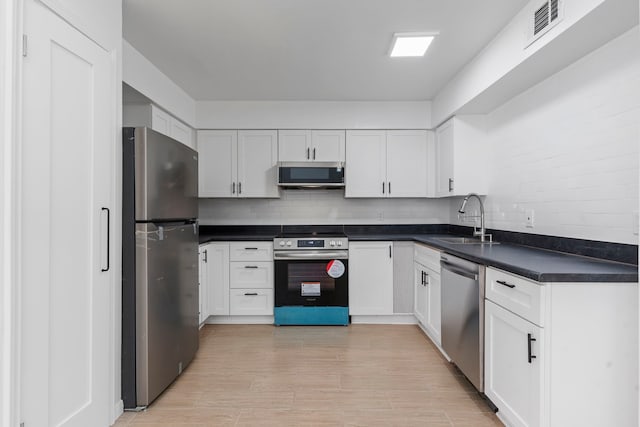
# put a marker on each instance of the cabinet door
(432, 315)
(420, 293)
(327, 145)
(407, 163)
(444, 159)
(67, 278)
(365, 164)
(294, 145)
(217, 165)
(513, 380)
(257, 163)
(218, 278)
(370, 278)
(203, 298)
(181, 132)
(160, 121)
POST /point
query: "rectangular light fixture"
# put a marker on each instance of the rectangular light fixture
(410, 44)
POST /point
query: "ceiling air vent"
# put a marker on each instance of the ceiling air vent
(543, 17)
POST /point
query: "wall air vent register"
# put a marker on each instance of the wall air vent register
(541, 18)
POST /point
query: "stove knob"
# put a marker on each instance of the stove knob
(289, 243)
(332, 243)
(339, 242)
(281, 242)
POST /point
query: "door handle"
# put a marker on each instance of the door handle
(250, 266)
(426, 278)
(450, 184)
(206, 256)
(307, 153)
(314, 154)
(383, 188)
(108, 239)
(239, 188)
(530, 339)
(389, 251)
(233, 188)
(251, 294)
(389, 183)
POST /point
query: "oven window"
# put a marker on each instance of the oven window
(302, 276)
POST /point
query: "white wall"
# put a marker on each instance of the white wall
(505, 67)
(319, 207)
(139, 73)
(568, 149)
(312, 115)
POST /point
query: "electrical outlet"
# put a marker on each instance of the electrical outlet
(530, 218)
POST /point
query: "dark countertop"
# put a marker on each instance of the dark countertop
(537, 264)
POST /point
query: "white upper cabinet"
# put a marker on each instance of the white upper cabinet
(159, 120)
(407, 163)
(387, 163)
(218, 163)
(311, 145)
(461, 157)
(294, 145)
(327, 145)
(237, 163)
(257, 163)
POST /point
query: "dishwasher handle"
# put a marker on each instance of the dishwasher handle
(457, 270)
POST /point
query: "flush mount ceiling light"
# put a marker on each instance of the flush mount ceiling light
(410, 44)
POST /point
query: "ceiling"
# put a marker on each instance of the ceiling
(313, 50)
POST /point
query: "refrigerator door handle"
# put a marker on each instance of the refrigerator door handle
(108, 239)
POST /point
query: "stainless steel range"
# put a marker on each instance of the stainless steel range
(311, 279)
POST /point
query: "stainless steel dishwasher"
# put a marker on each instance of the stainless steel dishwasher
(463, 316)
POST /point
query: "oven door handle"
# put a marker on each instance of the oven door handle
(320, 255)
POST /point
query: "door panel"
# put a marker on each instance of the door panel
(407, 163)
(365, 164)
(68, 137)
(217, 169)
(257, 163)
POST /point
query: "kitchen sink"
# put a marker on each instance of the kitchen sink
(465, 241)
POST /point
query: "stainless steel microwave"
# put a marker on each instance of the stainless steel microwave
(311, 174)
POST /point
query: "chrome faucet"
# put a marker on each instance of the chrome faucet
(477, 233)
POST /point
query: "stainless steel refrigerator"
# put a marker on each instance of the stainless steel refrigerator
(159, 263)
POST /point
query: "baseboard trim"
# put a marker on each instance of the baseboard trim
(239, 320)
(391, 319)
(118, 409)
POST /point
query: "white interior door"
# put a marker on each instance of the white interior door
(68, 137)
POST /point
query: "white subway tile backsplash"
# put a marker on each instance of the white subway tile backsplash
(568, 149)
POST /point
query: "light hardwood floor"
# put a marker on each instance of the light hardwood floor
(360, 375)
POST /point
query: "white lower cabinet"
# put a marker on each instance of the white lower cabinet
(513, 368)
(218, 274)
(370, 278)
(561, 354)
(420, 293)
(427, 290)
(251, 302)
(237, 278)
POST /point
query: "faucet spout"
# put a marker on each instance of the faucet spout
(481, 233)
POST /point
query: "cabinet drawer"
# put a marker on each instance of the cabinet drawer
(251, 251)
(427, 256)
(518, 295)
(247, 302)
(251, 274)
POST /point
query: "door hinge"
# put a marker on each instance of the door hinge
(24, 54)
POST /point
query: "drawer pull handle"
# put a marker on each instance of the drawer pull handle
(530, 339)
(251, 294)
(250, 266)
(250, 249)
(503, 283)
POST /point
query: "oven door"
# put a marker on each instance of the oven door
(311, 281)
